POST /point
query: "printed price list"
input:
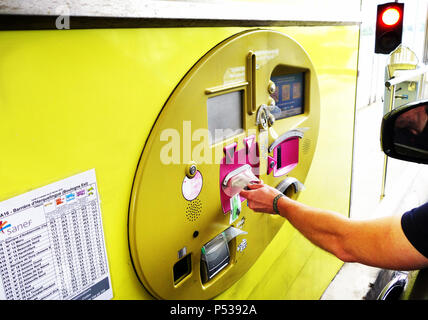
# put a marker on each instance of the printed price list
(63, 257)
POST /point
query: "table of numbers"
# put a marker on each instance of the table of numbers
(59, 252)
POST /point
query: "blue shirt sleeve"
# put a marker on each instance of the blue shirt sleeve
(415, 226)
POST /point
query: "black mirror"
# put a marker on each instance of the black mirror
(404, 132)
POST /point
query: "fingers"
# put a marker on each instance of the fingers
(255, 186)
(251, 187)
(244, 193)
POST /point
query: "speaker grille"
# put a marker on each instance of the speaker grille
(193, 210)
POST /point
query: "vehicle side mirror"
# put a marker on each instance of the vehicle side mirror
(404, 132)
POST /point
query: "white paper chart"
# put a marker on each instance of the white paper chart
(52, 243)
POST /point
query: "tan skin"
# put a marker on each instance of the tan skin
(376, 242)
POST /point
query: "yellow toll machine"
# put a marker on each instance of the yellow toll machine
(126, 148)
(250, 124)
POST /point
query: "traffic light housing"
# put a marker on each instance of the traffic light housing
(389, 26)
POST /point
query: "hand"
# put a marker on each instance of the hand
(260, 197)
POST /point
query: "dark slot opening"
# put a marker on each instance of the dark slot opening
(182, 268)
(278, 157)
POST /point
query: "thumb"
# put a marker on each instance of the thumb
(246, 192)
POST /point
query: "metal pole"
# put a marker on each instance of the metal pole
(385, 159)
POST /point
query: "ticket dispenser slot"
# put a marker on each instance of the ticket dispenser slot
(238, 179)
(191, 235)
(237, 166)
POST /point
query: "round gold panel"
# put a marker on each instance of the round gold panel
(164, 227)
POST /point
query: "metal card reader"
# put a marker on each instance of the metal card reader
(215, 257)
(215, 254)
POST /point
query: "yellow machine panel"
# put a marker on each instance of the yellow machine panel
(114, 100)
(169, 226)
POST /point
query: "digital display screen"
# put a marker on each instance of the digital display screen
(225, 115)
(289, 95)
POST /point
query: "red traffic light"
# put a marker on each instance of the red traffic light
(389, 26)
(391, 16)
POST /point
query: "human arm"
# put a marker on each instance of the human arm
(376, 242)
